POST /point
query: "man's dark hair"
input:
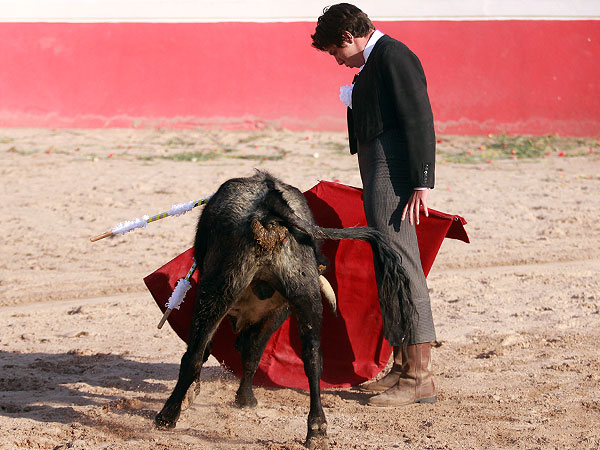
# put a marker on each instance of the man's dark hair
(337, 19)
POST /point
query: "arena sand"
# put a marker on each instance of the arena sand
(83, 366)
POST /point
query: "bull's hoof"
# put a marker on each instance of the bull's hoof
(245, 400)
(317, 443)
(317, 436)
(161, 422)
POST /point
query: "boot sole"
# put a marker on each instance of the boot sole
(421, 400)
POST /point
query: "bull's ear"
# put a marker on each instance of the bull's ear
(322, 261)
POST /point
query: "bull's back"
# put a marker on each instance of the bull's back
(238, 200)
(232, 212)
(235, 201)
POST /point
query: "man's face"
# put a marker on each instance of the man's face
(349, 54)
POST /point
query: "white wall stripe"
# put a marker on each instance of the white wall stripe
(288, 10)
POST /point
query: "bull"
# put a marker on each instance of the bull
(257, 248)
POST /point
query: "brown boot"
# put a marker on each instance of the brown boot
(391, 378)
(415, 384)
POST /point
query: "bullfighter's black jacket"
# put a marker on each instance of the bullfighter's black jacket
(391, 93)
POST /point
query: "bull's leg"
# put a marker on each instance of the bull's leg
(194, 388)
(309, 312)
(211, 307)
(251, 344)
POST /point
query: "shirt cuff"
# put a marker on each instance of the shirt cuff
(421, 188)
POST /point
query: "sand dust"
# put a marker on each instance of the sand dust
(84, 367)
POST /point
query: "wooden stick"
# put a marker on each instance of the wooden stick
(102, 236)
(164, 318)
(141, 222)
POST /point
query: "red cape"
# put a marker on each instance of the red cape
(352, 343)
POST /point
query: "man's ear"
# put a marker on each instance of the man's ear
(348, 37)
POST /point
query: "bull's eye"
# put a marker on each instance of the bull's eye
(303, 274)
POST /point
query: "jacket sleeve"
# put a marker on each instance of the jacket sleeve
(404, 81)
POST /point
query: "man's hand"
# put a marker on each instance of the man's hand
(417, 198)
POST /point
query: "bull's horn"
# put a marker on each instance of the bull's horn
(328, 294)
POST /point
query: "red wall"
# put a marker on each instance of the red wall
(531, 77)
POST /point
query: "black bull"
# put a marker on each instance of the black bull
(257, 250)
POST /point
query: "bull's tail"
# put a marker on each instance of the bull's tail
(395, 298)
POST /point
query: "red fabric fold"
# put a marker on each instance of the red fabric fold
(352, 343)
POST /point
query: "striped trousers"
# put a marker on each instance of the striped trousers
(384, 172)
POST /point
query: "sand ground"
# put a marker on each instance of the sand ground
(82, 365)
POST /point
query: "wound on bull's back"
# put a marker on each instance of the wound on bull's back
(269, 237)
